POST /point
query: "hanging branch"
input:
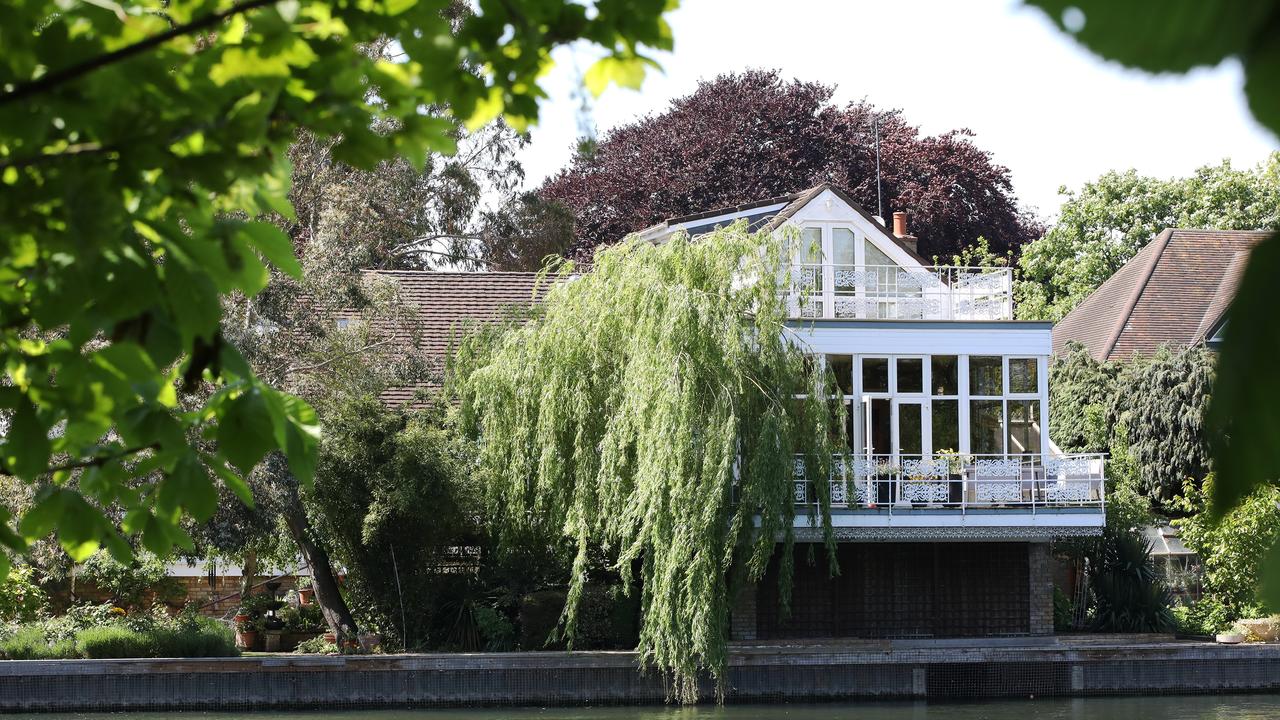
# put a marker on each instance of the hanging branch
(51, 80)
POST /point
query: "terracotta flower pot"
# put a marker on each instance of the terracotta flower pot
(305, 595)
(246, 639)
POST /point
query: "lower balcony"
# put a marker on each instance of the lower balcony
(1027, 497)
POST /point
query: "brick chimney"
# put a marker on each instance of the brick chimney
(900, 232)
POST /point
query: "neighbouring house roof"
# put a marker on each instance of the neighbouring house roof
(1165, 541)
(1175, 291)
(441, 303)
(767, 214)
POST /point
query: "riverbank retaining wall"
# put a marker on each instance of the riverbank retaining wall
(757, 674)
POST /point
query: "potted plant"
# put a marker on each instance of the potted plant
(247, 629)
(305, 592)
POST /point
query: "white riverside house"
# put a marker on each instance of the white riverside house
(951, 491)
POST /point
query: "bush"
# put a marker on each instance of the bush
(31, 643)
(1063, 611)
(193, 636)
(113, 641)
(1129, 595)
(69, 636)
(316, 646)
(128, 585)
(21, 599)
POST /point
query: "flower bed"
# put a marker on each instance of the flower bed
(102, 631)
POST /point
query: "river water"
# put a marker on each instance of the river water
(1203, 707)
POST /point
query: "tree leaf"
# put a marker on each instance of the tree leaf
(1160, 35)
(274, 246)
(245, 431)
(1244, 417)
(27, 446)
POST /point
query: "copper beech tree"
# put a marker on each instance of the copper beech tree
(750, 136)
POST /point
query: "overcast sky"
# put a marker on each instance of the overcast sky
(1045, 108)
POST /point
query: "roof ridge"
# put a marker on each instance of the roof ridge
(1160, 243)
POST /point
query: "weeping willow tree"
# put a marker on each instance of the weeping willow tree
(653, 409)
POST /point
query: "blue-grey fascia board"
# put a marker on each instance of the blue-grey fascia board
(926, 324)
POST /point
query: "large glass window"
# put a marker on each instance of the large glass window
(910, 375)
(944, 372)
(985, 432)
(875, 374)
(1022, 376)
(986, 375)
(842, 244)
(1024, 426)
(946, 425)
(842, 367)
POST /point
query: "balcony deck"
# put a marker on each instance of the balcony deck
(1026, 496)
(891, 292)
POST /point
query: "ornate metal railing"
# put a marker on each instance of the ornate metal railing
(891, 292)
(958, 481)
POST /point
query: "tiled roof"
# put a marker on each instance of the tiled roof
(440, 303)
(1174, 291)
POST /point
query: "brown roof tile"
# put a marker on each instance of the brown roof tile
(441, 303)
(1174, 291)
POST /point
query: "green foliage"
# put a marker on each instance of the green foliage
(112, 641)
(1232, 550)
(1244, 418)
(650, 411)
(98, 632)
(1104, 224)
(21, 599)
(1209, 616)
(127, 583)
(1063, 611)
(302, 619)
(1129, 595)
(137, 146)
(31, 643)
(390, 501)
(1080, 390)
(316, 646)
(1162, 401)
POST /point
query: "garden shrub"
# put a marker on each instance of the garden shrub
(316, 646)
(113, 641)
(193, 636)
(128, 585)
(1129, 595)
(31, 643)
(21, 599)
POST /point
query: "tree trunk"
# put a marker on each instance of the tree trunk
(248, 573)
(332, 605)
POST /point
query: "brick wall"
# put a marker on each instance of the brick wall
(904, 590)
(742, 617)
(1040, 568)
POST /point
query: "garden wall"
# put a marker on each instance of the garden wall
(880, 670)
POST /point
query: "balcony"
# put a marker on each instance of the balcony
(1028, 496)
(892, 292)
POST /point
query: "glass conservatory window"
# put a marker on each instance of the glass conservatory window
(875, 374)
(985, 431)
(986, 375)
(910, 375)
(1022, 375)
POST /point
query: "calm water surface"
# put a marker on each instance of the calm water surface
(1220, 707)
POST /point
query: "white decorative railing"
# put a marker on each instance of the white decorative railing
(1024, 482)
(891, 292)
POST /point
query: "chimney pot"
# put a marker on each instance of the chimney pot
(900, 224)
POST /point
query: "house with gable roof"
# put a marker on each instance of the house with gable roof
(1175, 292)
(950, 491)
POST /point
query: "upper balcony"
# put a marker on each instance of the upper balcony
(1024, 496)
(893, 292)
